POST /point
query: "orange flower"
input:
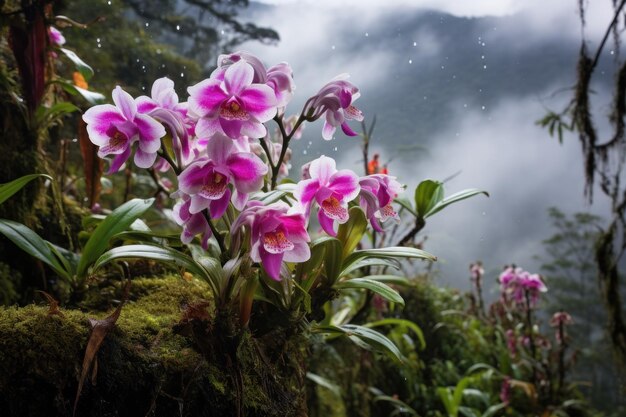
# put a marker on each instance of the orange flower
(79, 80)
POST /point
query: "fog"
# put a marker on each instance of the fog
(465, 94)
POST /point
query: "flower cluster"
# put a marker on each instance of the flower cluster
(218, 145)
(521, 286)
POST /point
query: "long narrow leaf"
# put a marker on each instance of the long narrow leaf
(379, 288)
(390, 279)
(10, 188)
(351, 232)
(391, 252)
(403, 323)
(81, 66)
(119, 220)
(31, 243)
(454, 198)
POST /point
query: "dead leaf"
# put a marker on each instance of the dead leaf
(93, 166)
(53, 305)
(99, 330)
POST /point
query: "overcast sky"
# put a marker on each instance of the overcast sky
(497, 148)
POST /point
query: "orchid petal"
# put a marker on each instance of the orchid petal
(300, 253)
(219, 206)
(326, 223)
(119, 160)
(323, 168)
(248, 171)
(125, 103)
(150, 133)
(238, 76)
(259, 100)
(253, 129)
(219, 148)
(99, 119)
(144, 159)
(271, 263)
(205, 128)
(206, 98)
(345, 183)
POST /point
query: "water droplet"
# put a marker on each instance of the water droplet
(143, 67)
(74, 140)
(304, 152)
(414, 43)
(98, 40)
(137, 59)
(410, 61)
(612, 52)
(482, 57)
(483, 44)
(99, 46)
(367, 34)
(465, 105)
(335, 149)
(310, 143)
(482, 107)
(222, 32)
(484, 66)
(182, 74)
(332, 47)
(425, 98)
(147, 24)
(484, 214)
(442, 67)
(177, 27)
(109, 3)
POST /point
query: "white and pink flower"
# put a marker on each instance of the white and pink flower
(116, 128)
(331, 189)
(206, 180)
(277, 234)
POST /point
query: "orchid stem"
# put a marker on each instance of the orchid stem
(163, 154)
(286, 139)
(216, 234)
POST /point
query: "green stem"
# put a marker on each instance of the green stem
(216, 235)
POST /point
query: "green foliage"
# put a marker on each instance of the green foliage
(8, 189)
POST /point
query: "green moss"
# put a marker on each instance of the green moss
(144, 365)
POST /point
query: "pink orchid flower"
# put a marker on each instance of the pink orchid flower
(163, 105)
(116, 128)
(193, 223)
(331, 189)
(206, 180)
(335, 100)
(56, 37)
(234, 105)
(279, 77)
(277, 234)
(377, 194)
(516, 282)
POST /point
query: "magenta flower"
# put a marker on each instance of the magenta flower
(193, 223)
(331, 189)
(233, 105)
(116, 128)
(277, 234)
(335, 100)
(377, 194)
(559, 318)
(163, 105)
(206, 180)
(518, 284)
(279, 77)
(505, 390)
(56, 37)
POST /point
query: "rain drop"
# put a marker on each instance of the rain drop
(442, 67)
(482, 57)
(482, 107)
(484, 66)
(74, 140)
(98, 40)
(335, 149)
(367, 34)
(222, 32)
(177, 27)
(182, 74)
(414, 43)
(410, 61)
(465, 105)
(147, 24)
(483, 44)
(332, 47)
(109, 3)
(612, 52)
(304, 152)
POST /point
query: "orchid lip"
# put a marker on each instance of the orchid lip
(276, 242)
(233, 110)
(214, 187)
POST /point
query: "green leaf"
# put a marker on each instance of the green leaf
(91, 97)
(119, 220)
(156, 253)
(332, 256)
(379, 288)
(456, 197)
(364, 337)
(493, 410)
(81, 66)
(390, 279)
(392, 252)
(351, 232)
(31, 243)
(365, 262)
(401, 323)
(46, 115)
(10, 188)
(323, 382)
(400, 406)
(427, 195)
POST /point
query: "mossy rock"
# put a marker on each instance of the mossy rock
(144, 367)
